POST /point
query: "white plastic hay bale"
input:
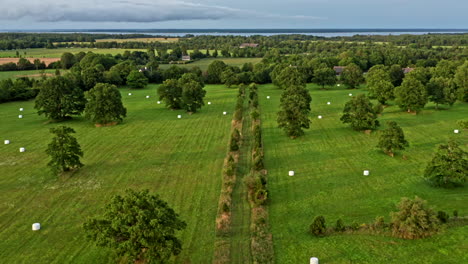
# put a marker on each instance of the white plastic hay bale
(20, 116)
(456, 131)
(320, 117)
(338, 85)
(366, 173)
(6, 141)
(328, 103)
(350, 94)
(159, 102)
(129, 93)
(22, 149)
(291, 173)
(179, 116)
(268, 97)
(209, 103)
(314, 260)
(224, 113)
(147, 96)
(36, 226)
(21, 109)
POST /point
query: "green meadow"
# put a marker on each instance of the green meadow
(179, 159)
(204, 63)
(329, 162)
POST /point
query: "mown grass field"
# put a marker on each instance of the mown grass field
(30, 74)
(329, 162)
(204, 63)
(180, 159)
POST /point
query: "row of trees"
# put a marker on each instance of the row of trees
(59, 98)
(413, 220)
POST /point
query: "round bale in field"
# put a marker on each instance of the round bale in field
(36, 226)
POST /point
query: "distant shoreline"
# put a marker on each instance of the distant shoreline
(331, 32)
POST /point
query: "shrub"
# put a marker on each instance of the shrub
(339, 227)
(414, 219)
(443, 216)
(318, 228)
(455, 213)
(254, 114)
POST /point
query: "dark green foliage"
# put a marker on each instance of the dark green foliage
(461, 79)
(352, 76)
(258, 161)
(448, 167)
(254, 114)
(229, 77)
(171, 93)
(443, 217)
(104, 104)
(414, 219)
(257, 131)
(318, 228)
(64, 150)
(340, 226)
(360, 114)
(67, 60)
(235, 139)
(325, 76)
(192, 96)
(139, 226)
(455, 213)
(137, 80)
(91, 76)
(411, 95)
(441, 90)
(396, 75)
(59, 98)
(290, 76)
(213, 73)
(392, 139)
(295, 109)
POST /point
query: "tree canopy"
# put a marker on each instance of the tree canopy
(448, 167)
(411, 95)
(139, 226)
(295, 109)
(104, 104)
(360, 113)
(392, 139)
(59, 98)
(64, 150)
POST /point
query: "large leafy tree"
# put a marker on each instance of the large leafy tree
(295, 109)
(396, 74)
(448, 167)
(213, 73)
(379, 84)
(67, 60)
(360, 113)
(392, 139)
(64, 150)
(104, 104)
(352, 76)
(137, 80)
(192, 96)
(92, 75)
(59, 98)
(414, 219)
(441, 90)
(461, 79)
(171, 92)
(411, 95)
(324, 76)
(289, 76)
(139, 226)
(229, 77)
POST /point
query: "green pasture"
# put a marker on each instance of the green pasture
(329, 162)
(16, 74)
(203, 63)
(179, 159)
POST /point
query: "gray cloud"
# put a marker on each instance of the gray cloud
(141, 11)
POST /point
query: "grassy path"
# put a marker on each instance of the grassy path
(240, 239)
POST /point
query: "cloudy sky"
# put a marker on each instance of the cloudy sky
(107, 14)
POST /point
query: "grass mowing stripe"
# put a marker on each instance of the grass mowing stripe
(329, 161)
